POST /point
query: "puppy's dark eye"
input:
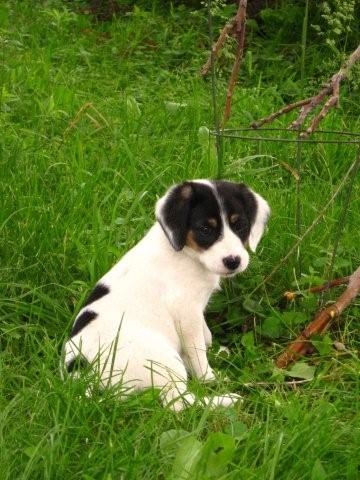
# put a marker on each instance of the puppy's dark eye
(238, 225)
(205, 230)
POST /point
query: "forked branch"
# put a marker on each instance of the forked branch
(236, 27)
(318, 288)
(240, 21)
(331, 90)
(320, 323)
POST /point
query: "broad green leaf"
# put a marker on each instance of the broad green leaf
(236, 429)
(247, 340)
(169, 441)
(271, 327)
(30, 451)
(301, 370)
(318, 471)
(187, 458)
(323, 345)
(203, 136)
(293, 318)
(216, 455)
(172, 107)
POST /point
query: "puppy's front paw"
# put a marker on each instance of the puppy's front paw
(227, 400)
(209, 376)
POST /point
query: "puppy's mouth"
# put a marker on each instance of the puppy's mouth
(229, 274)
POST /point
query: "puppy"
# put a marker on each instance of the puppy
(143, 325)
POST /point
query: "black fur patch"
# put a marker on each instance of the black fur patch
(238, 201)
(189, 207)
(99, 291)
(82, 320)
(76, 363)
(194, 207)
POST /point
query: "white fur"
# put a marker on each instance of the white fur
(150, 328)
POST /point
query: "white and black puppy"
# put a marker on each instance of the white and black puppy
(144, 324)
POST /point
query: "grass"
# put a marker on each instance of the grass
(78, 190)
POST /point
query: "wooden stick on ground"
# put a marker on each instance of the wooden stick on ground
(320, 323)
(331, 89)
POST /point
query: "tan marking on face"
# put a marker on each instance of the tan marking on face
(234, 217)
(191, 243)
(186, 192)
(213, 222)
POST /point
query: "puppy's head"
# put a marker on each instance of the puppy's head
(213, 222)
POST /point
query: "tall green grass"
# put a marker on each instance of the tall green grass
(78, 190)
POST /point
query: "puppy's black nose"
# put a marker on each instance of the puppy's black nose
(231, 262)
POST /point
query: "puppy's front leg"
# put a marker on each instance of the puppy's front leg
(192, 329)
(207, 335)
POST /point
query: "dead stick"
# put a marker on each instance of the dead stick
(309, 229)
(229, 26)
(331, 89)
(282, 111)
(321, 322)
(319, 288)
(240, 21)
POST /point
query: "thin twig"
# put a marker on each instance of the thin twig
(319, 288)
(229, 27)
(276, 384)
(310, 227)
(240, 21)
(282, 111)
(331, 89)
(320, 323)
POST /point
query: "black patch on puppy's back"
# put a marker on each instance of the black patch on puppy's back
(82, 320)
(99, 291)
(76, 363)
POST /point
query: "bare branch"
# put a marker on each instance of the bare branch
(330, 89)
(320, 323)
(282, 111)
(229, 27)
(240, 21)
(319, 288)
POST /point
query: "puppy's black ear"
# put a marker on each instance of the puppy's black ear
(172, 212)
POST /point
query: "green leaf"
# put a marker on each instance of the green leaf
(271, 327)
(301, 370)
(247, 340)
(187, 458)
(318, 471)
(293, 318)
(173, 107)
(169, 441)
(30, 451)
(236, 429)
(216, 455)
(203, 136)
(253, 306)
(322, 344)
